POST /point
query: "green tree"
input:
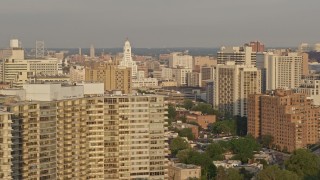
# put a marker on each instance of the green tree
(234, 174)
(246, 174)
(215, 151)
(275, 173)
(190, 156)
(244, 148)
(228, 174)
(183, 155)
(221, 174)
(204, 108)
(266, 140)
(263, 162)
(188, 104)
(177, 145)
(171, 112)
(186, 132)
(304, 163)
(227, 127)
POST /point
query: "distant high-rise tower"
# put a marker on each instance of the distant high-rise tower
(240, 55)
(257, 46)
(127, 59)
(39, 49)
(92, 53)
(233, 83)
(80, 53)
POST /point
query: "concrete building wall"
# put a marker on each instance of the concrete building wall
(51, 92)
(92, 88)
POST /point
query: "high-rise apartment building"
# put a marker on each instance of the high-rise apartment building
(5, 145)
(283, 71)
(289, 117)
(200, 61)
(180, 75)
(33, 140)
(233, 83)
(207, 74)
(305, 64)
(167, 73)
(256, 46)
(92, 51)
(99, 137)
(193, 79)
(127, 59)
(178, 59)
(135, 137)
(311, 88)
(210, 93)
(77, 73)
(240, 55)
(113, 76)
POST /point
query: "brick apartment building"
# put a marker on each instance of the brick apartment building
(291, 118)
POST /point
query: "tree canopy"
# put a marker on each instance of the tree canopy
(188, 104)
(275, 173)
(304, 163)
(228, 174)
(186, 132)
(244, 148)
(227, 127)
(190, 156)
(215, 151)
(266, 140)
(177, 145)
(204, 108)
(171, 112)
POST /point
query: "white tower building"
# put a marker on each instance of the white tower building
(92, 51)
(127, 59)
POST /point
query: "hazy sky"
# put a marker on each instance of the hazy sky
(159, 23)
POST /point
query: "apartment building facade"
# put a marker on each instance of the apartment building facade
(239, 55)
(113, 76)
(178, 59)
(100, 137)
(289, 117)
(233, 83)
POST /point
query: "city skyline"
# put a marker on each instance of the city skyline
(159, 24)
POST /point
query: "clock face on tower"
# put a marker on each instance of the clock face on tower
(128, 50)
